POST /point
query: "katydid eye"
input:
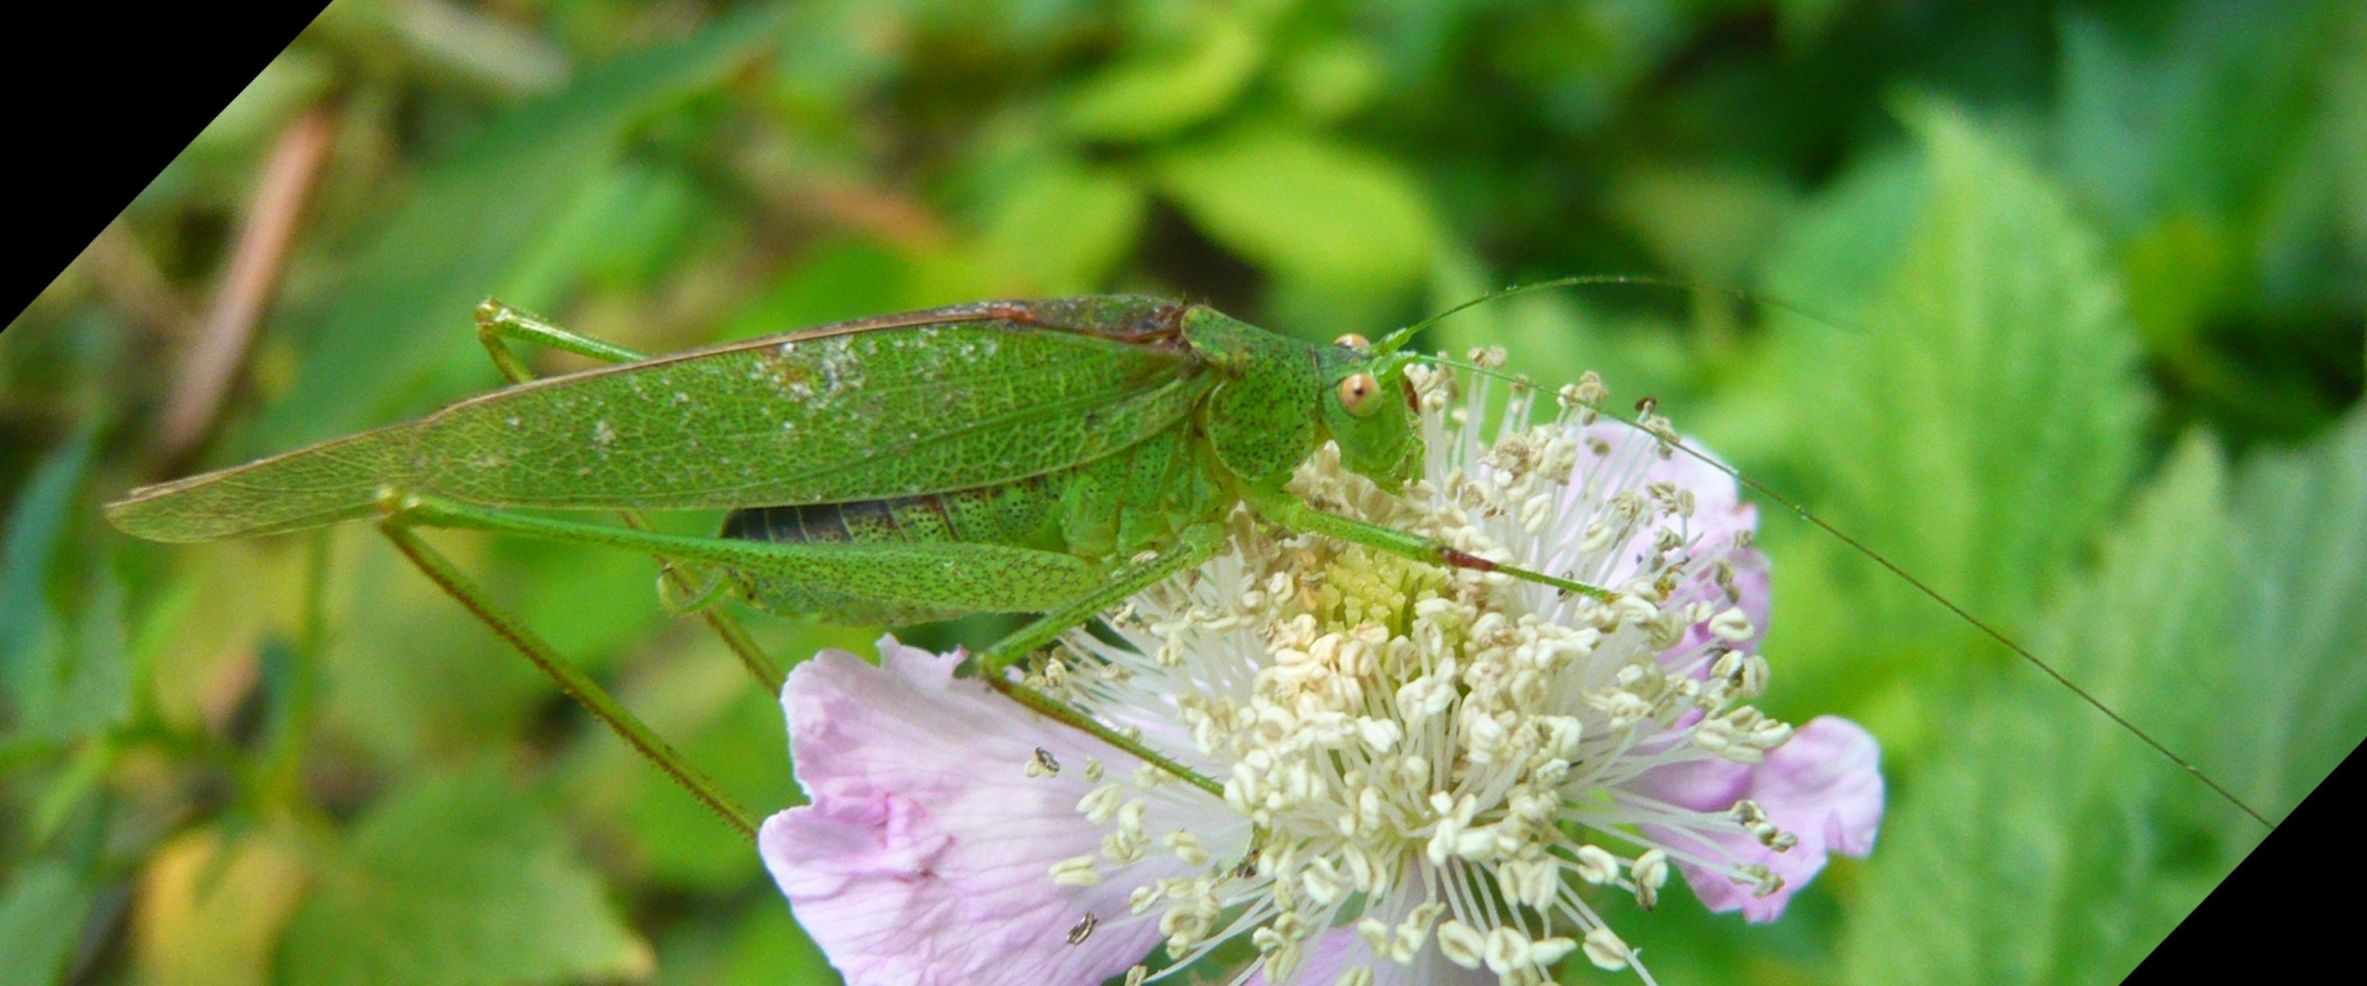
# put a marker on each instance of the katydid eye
(1358, 394)
(1353, 341)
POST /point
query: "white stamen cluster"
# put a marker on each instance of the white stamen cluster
(1434, 757)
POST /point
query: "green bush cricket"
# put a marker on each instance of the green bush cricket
(1050, 457)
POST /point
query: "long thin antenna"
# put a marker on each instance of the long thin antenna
(1402, 336)
(1982, 625)
(1397, 340)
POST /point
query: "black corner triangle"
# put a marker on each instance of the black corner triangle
(2255, 920)
(104, 96)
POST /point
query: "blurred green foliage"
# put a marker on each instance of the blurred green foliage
(2066, 307)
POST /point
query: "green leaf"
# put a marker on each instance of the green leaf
(2218, 145)
(2201, 108)
(1980, 425)
(704, 703)
(1306, 206)
(769, 947)
(41, 918)
(839, 278)
(1164, 84)
(63, 669)
(624, 228)
(1800, 23)
(410, 675)
(2346, 130)
(83, 684)
(403, 316)
(1835, 256)
(458, 880)
(1060, 227)
(1990, 871)
(1713, 223)
(762, 947)
(2300, 631)
(586, 604)
(34, 530)
(1333, 78)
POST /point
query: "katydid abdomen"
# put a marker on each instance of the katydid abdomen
(1100, 512)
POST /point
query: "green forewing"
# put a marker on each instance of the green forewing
(804, 419)
(326, 483)
(922, 403)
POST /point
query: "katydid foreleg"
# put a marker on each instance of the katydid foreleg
(498, 325)
(1195, 545)
(1296, 515)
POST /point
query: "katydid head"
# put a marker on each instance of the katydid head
(1369, 409)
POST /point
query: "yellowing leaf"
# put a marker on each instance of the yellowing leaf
(211, 908)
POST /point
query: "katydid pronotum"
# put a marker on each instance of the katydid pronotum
(1049, 457)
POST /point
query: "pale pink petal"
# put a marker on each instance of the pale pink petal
(1720, 514)
(1340, 949)
(1824, 786)
(925, 854)
(1751, 595)
(1719, 511)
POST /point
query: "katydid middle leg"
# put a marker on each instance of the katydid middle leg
(977, 577)
(944, 575)
(921, 566)
(570, 679)
(957, 575)
(497, 326)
